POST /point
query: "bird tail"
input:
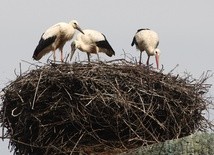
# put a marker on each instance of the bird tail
(133, 41)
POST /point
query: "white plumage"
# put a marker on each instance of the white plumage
(147, 40)
(92, 41)
(55, 37)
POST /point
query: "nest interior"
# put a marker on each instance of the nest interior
(99, 107)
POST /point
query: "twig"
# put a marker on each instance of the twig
(77, 143)
(3, 121)
(170, 72)
(37, 87)
(113, 104)
(20, 69)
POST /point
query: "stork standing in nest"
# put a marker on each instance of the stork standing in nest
(91, 41)
(55, 38)
(147, 40)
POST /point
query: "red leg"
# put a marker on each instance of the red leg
(61, 55)
(98, 57)
(140, 57)
(54, 56)
(147, 62)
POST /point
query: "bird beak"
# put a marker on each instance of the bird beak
(78, 28)
(157, 60)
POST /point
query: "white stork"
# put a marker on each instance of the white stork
(55, 37)
(147, 40)
(91, 41)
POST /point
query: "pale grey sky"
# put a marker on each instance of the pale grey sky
(185, 28)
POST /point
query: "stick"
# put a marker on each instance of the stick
(37, 87)
(76, 144)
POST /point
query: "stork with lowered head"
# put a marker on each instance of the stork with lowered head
(91, 42)
(147, 40)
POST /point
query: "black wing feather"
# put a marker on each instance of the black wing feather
(105, 44)
(134, 39)
(143, 29)
(134, 42)
(43, 43)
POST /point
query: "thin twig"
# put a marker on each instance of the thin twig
(37, 87)
(77, 143)
(113, 104)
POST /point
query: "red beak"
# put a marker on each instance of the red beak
(157, 60)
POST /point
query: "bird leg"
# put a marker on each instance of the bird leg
(147, 62)
(88, 54)
(140, 57)
(98, 57)
(54, 56)
(61, 55)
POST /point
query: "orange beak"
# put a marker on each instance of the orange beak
(157, 60)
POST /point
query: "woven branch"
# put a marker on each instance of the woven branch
(100, 107)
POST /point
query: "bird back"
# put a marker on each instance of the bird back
(93, 37)
(146, 39)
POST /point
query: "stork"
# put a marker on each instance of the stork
(55, 38)
(147, 40)
(91, 41)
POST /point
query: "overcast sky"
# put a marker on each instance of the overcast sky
(185, 28)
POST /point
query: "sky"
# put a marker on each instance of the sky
(185, 28)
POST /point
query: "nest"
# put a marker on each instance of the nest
(100, 107)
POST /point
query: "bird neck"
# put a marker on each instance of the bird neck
(80, 45)
(150, 51)
(86, 47)
(77, 44)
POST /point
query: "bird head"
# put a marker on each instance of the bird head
(157, 55)
(75, 25)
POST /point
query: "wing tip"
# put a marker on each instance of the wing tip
(35, 57)
(110, 53)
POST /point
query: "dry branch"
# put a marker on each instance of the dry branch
(100, 107)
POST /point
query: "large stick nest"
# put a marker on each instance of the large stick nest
(100, 107)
